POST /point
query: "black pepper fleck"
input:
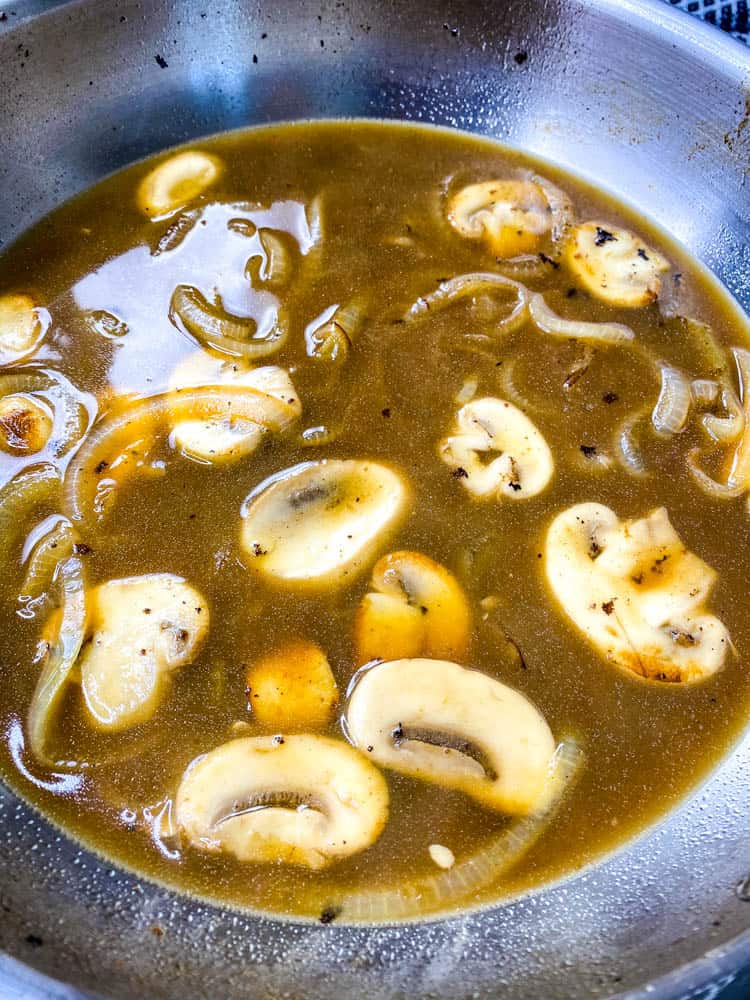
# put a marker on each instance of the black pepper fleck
(329, 914)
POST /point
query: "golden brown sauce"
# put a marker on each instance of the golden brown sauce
(384, 240)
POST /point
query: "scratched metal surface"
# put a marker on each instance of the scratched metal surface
(628, 92)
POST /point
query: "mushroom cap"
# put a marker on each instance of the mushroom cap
(614, 265)
(176, 181)
(305, 800)
(141, 630)
(440, 722)
(636, 592)
(292, 687)
(415, 608)
(25, 424)
(511, 216)
(524, 464)
(319, 523)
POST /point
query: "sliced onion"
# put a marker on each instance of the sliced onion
(712, 353)
(36, 485)
(467, 391)
(314, 218)
(212, 326)
(61, 658)
(52, 548)
(112, 437)
(466, 286)
(722, 491)
(276, 269)
(479, 870)
(739, 473)
(512, 392)
(626, 448)
(672, 408)
(550, 322)
(705, 391)
(726, 429)
(331, 339)
(525, 267)
(561, 207)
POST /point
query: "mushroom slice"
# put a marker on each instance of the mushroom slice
(614, 264)
(510, 216)
(320, 522)
(228, 438)
(22, 327)
(140, 630)
(176, 182)
(25, 424)
(636, 593)
(524, 464)
(292, 687)
(303, 800)
(437, 721)
(415, 608)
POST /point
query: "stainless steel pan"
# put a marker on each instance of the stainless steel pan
(630, 93)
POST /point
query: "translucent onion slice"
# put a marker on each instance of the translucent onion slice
(467, 286)
(561, 207)
(479, 870)
(722, 491)
(276, 269)
(672, 408)
(712, 353)
(36, 485)
(214, 327)
(331, 336)
(625, 445)
(739, 473)
(524, 267)
(112, 437)
(550, 322)
(52, 548)
(705, 391)
(540, 404)
(61, 658)
(726, 429)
